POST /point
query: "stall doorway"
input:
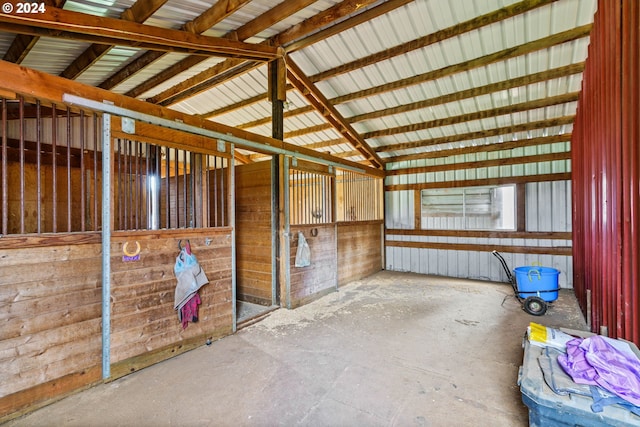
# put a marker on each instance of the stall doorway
(256, 240)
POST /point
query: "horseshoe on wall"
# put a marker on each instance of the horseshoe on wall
(130, 254)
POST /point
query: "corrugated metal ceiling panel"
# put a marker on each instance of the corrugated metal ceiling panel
(401, 25)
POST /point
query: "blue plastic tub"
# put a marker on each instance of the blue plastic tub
(537, 281)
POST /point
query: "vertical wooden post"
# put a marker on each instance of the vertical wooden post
(277, 94)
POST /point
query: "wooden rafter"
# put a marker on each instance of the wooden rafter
(503, 55)
(23, 43)
(231, 68)
(450, 97)
(477, 115)
(216, 13)
(558, 121)
(441, 35)
(251, 28)
(508, 145)
(54, 22)
(139, 12)
(326, 109)
(516, 82)
(438, 36)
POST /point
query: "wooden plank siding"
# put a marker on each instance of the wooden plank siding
(319, 278)
(254, 251)
(50, 340)
(144, 326)
(359, 250)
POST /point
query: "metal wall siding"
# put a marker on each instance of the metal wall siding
(606, 174)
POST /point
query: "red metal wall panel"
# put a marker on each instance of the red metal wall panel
(606, 178)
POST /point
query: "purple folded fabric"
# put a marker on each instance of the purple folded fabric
(595, 361)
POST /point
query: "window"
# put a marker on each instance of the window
(471, 208)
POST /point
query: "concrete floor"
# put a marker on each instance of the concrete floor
(395, 349)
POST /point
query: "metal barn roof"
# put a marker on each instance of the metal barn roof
(410, 77)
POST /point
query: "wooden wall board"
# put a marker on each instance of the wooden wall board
(254, 249)
(359, 250)
(51, 322)
(143, 318)
(314, 281)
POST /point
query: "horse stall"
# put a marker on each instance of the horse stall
(67, 321)
(331, 214)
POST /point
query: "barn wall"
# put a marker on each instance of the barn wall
(254, 259)
(319, 278)
(50, 340)
(607, 177)
(144, 326)
(544, 231)
(359, 250)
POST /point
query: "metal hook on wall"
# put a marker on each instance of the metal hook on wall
(187, 246)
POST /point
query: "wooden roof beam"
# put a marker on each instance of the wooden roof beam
(207, 78)
(53, 89)
(56, 22)
(23, 43)
(477, 115)
(503, 55)
(139, 12)
(557, 121)
(473, 92)
(216, 13)
(523, 6)
(250, 29)
(320, 103)
(450, 97)
(507, 145)
(438, 36)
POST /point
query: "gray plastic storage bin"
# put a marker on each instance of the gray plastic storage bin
(547, 408)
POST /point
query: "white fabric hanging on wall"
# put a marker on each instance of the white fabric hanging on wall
(303, 254)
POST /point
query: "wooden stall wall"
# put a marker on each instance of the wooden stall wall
(50, 342)
(144, 326)
(320, 278)
(360, 248)
(254, 247)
